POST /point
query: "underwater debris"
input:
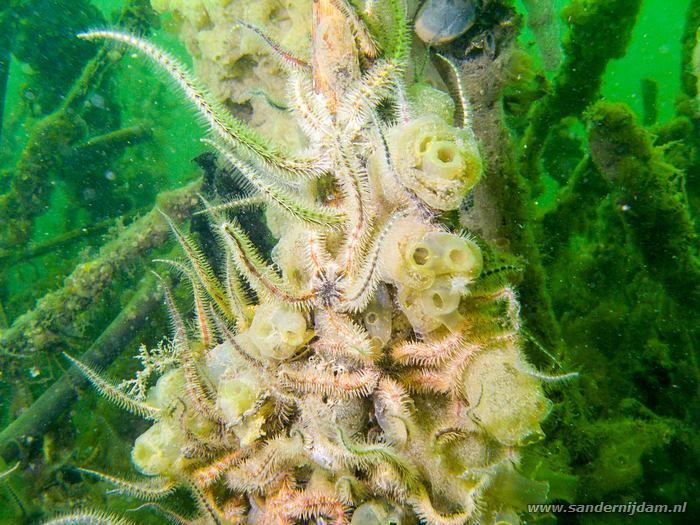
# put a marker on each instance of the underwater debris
(38, 330)
(59, 140)
(59, 396)
(54, 64)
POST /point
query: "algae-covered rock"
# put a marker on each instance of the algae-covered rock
(652, 200)
(622, 445)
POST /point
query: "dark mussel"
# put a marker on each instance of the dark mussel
(439, 22)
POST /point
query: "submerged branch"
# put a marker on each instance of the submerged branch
(38, 329)
(62, 241)
(60, 396)
(63, 130)
(600, 31)
(651, 198)
(503, 208)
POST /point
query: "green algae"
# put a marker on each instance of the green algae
(599, 32)
(651, 196)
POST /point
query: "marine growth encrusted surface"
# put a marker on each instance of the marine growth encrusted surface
(235, 63)
(370, 373)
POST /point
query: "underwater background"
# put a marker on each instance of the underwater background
(607, 149)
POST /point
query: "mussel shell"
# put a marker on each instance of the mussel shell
(439, 22)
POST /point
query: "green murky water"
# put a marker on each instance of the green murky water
(89, 146)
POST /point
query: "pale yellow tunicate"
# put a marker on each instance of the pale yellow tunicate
(435, 306)
(369, 513)
(431, 272)
(409, 301)
(276, 332)
(438, 162)
(237, 395)
(238, 389)
(439, 253)
(442, 160)
(440, 299)
(508, 402)
(169, 394)
(394, 261)
(294, 240)
(221, 359)
(169, 387)
(157, 451)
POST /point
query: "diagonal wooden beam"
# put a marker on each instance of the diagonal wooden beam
(335, 60)
(59, 397)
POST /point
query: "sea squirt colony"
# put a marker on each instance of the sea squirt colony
(371, 372)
